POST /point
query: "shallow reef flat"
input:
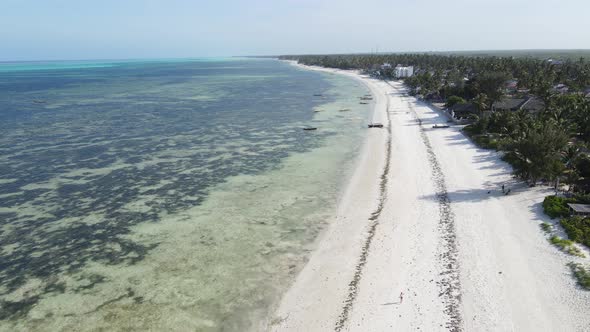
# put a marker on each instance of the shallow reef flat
(165, 195)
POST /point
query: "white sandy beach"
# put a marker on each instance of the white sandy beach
(465, 256)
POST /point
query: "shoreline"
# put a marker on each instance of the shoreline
(447, 251)
(342, 239)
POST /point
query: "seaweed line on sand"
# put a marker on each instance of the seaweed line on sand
(353, 286)
(449, 283)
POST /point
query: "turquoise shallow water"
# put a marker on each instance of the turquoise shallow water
(167, 195)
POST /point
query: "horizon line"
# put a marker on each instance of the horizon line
(295, 54)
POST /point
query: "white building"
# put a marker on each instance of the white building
(401, 71)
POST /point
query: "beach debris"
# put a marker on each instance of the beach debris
(310, 128)
(375, 125)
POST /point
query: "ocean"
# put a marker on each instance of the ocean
(165, 194)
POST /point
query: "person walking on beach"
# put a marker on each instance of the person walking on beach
(502, 189)
(401, 297)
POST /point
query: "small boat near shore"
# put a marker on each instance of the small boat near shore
(344, 110)
(437, 126)
(375, 125)
(310, 128)
(363, 103)
(318, 95)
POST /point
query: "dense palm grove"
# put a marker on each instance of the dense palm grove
(546, 145)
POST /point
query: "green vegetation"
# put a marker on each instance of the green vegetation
(566, 245)
(555, 206)
(581, 274)
(546, 146)
(454, 100)
(535, 153)
(486, 141)
(577, 229)
(546, 227)
(445, 74)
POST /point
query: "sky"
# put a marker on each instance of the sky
(124, 29)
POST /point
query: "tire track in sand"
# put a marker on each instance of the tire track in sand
(448, 252)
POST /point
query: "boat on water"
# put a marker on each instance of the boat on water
(344, 110)
(436, 126)
(363, 103)
(375, 125)
(310, 128)
(317, 95)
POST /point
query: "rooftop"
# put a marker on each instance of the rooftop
(580, 208)
(514, 104)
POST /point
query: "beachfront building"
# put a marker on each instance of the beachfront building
(579, 209)
(529, 104)
(401, 71)
(463, 111)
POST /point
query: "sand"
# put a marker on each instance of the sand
(424, 216)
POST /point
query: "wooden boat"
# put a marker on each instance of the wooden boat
(375, 125)
(310, 128)
(436, 126)
(344, 110)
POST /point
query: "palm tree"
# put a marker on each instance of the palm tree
(570, 158)
(481, 103)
